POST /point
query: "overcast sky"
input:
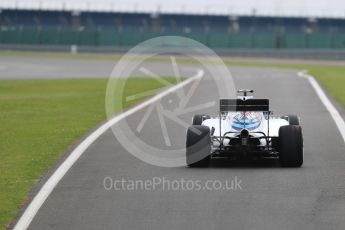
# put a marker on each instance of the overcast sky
(333, 8)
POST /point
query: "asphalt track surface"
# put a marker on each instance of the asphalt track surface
(311, 197)
(27, 68)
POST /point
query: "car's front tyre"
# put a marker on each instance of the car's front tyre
(292, 119)
(199, 118)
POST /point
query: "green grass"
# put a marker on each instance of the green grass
(39, 120)
(331, 77)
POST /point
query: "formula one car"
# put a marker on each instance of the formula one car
(245, 127)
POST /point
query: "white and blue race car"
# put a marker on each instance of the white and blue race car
(244, 127)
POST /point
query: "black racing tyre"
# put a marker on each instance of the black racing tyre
(291, 146)
(198, 146)
(199, 118)
(292, 119)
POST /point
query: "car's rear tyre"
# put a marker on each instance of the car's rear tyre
(291, 146)
(292, 119)
(199, 118)
(198, 146)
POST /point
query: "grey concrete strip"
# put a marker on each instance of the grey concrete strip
(23, 68)
(271, 197)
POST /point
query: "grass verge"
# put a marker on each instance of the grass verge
(39, 120)
(331, 77)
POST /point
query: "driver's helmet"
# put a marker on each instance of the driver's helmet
(245, 120)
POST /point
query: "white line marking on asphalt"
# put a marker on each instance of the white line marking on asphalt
(30, 212)
(339, 121)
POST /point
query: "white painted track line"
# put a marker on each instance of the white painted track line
(30, 212)
(339, 121)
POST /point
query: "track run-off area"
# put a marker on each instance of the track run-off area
(74, 196)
